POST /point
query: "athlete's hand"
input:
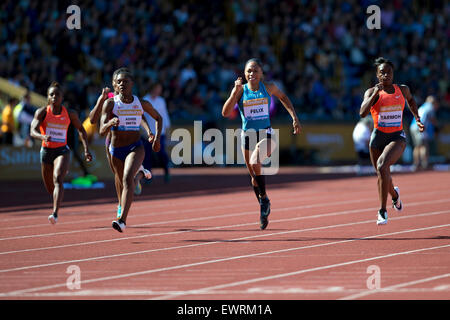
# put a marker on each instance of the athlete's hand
(420, 124)
(46, 138)
(87, 156)
(378, 87)
(114, 122)
(151, 137)
(238, 84)
(105, 92)
(156, 145)
(297, 126)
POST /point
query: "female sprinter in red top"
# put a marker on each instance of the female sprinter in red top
(50, 125)
(386, 102)
(122, 115)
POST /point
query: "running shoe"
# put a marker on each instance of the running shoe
(138, 188)
(119, 225)
(397, 204)
(382, 217)
(264, 213)
(52, 219)
(147, 173)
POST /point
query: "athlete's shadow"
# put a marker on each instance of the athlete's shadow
(225, 230)
(315, 239)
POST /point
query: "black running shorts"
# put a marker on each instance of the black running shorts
(380, 139)
(48, 155)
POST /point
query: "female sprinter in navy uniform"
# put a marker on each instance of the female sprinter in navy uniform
(94, 117)
(50, 125)
(386, 102)
(123, 115)
(253, 99)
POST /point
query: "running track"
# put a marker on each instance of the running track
(205, 244)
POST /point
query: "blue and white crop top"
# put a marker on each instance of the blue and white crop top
(254, 108)
(129, 114)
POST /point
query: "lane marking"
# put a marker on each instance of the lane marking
(393, 288)
(185, 220)
(256, 290)
(145, 272)
(288, 274)
(287, 198)
(201, 218)
(320, 215)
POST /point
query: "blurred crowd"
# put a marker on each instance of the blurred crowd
(319, 52)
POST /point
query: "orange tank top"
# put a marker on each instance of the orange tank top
(55, 126)
(387, 113)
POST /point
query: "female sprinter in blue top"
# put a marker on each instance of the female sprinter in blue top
(253, 99)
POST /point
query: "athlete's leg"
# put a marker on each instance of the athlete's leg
(374, 155)
(131, 166)
(263, 150)
(391, 153)
(47, 176)
(116, 179)
(118, 166)
(246, 154)
(61, 166)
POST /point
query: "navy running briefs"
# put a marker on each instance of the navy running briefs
(122, 152)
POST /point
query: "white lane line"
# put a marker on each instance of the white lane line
(137, 203)
(251, 291)
(110, 278)
(203, 207)
(291, 196)
(394, 288)
(320, 215)
(294, 273)
(253, 212)
(320, 204)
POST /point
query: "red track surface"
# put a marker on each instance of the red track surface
(205, 243)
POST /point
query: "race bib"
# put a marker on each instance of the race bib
(57, 132)
(129, 119)
(390, 116)
(256, 109)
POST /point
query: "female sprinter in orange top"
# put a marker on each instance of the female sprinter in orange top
(386, 102)
(50, 125)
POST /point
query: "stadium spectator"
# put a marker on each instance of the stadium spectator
(193, 47)
(23, 114)
(422, 140)
(159, 104)
(8, 127)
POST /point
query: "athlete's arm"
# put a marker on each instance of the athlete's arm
(273, 89)
(82, 133)
(147, 106)
(107, 120)
(412, 105)
(234, 97)
(95, 113)
(38, 118)
(150, 134)
(370, 96)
